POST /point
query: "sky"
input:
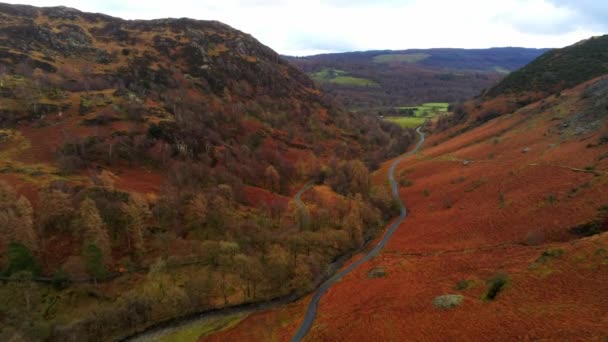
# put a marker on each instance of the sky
(306, 27)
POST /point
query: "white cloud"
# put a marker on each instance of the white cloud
(301, 27)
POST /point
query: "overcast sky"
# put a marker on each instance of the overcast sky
(304, 27)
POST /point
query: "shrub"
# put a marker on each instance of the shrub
(549, 254)
(377, 272)
(495, 286)
(405, 182)
(501, 200)
(20, 259)
(447, 202)
(463, 284)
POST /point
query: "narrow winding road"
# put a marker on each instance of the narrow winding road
(311, 311)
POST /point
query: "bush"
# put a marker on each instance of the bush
(20, 259)
(377, 272)
(406, 183)
(495, 286)
(463, 285)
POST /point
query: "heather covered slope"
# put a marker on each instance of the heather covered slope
(148, 168)
(508, 213)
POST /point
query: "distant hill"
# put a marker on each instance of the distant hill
(384, 79)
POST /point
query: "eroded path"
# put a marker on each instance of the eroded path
(311, 310)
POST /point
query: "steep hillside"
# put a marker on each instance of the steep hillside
(559, 69)
(506, 238)
(147, 172)
(542, 79)
(382, 80)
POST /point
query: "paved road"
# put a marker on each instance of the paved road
(311, 311)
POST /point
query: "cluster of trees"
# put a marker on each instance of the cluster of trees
(94, 216)
(458, 114)
(238, 255)
(246, 119)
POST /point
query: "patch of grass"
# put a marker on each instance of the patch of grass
(549, 254)
(552, 199)
(195, 331)
(401, 58)
(476, 184)
(354, 81)
(406, 182)
(463, 284)
(495, 286)
(575, 191)
(539, 266)
(341, 77)
(377, 272)
(426, 193)
(426, 110)
(501, 200)
(447, 202)
(407, 122)
(458, 180)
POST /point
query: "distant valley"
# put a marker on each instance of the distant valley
(382, 80)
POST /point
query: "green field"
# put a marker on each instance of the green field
(427, 110)
(341, 77)
(418, 114)
(407, 121)
(402, 58)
